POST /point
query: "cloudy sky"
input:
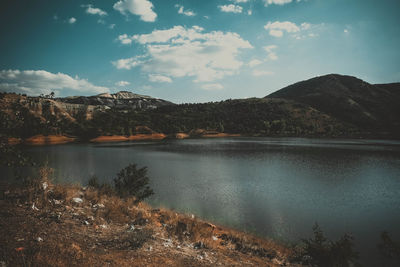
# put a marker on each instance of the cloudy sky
(193, 50)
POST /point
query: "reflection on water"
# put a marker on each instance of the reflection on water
(276, 187)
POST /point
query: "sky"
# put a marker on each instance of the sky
(190, 51)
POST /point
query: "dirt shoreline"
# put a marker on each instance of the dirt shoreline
(48, 140)
(38, 140)
(121, 138)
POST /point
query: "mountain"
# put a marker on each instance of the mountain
(327, 106)
(371, 107)
(122, 100)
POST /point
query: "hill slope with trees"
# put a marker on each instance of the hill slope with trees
(326, 106)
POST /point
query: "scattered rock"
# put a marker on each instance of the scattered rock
(214, 238)
(34, 207)
(199, 245)
(57, 202)
(99, 206)
(77, 200)
(168, 243)
(39, 239)
(55, 216)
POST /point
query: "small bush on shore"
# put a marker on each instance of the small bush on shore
(132, 181)
(94, 182)
(389, 248)
(103, 188)
(319, 251)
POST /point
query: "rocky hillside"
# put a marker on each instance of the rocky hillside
(122, 100)
(368, 106)
(25, 116)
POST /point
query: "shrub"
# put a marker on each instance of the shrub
(389, 248)
(319, 251)
(132, 181)
(103, 188)
(94, 182)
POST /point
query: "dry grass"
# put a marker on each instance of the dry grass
(107, 230)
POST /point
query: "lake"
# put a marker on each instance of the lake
(273, 187)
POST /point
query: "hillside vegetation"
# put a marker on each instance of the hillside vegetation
(371, 107)
(326, 106)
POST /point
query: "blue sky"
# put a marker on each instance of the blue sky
(192, 50)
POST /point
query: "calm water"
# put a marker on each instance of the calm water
(275, 187)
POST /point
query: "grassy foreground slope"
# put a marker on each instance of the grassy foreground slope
(75, 226)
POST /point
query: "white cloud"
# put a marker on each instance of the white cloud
(271, 55)
(180, 52)
(122, 83)
(125, 39)
(277, 28)
(240, 1)
(155, 78)
(277, 2)
(231, 8)
(212, 86)
(35, 82)
(249, 12)
(254, 62)
(346, 31)
(305, 26)
(258, 73)
(187, 12)
(179, 33)
(94, 10)
(270, 48)
(142, 8)
(276, 33)
(127, 63)
(111, 26)
(72, 20)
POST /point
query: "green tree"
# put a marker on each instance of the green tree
(132, 181)
(221, 128)
(389, 248)
(319, 251)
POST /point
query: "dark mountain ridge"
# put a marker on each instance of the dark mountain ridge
(368, 106)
